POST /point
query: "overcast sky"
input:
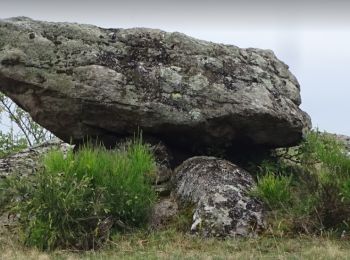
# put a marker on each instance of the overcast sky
(312, 37)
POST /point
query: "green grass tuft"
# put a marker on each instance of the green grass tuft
(274, 190)
(307, 188)
(80, 198)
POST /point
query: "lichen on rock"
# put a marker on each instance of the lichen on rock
(220, 192)
(81, 80)
(28, 161)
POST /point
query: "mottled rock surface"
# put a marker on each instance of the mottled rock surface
(163, 158)
(27, 161)
(163, 213)
(81, 80)
(218, 191)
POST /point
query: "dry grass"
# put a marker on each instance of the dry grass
(174, 245)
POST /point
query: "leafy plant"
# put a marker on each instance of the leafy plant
(308, 184)
(274, 190)
(80, 198)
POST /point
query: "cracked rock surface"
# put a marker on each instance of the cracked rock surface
(219, 193)
(81, 80)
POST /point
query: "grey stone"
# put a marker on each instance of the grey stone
(163, 212)
(163, 159)
(219, 193)
(28, 161)
(163, 190)
(81, 80)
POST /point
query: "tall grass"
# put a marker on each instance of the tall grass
(311, 191)
(80, 198)
(274, 190)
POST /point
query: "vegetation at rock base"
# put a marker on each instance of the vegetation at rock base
(80, 198)
(95, 199)
(307, 188)
(98, 199)
(274, 189)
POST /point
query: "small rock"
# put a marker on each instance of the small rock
(220, 192)
(27, 161)
(163, 174)
(163, 212)
(163, 190)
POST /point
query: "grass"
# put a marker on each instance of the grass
(307, 188)
(274, 190)
(79, 199)
(174, 245)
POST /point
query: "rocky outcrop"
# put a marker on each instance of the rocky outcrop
(219, 193)
(81, 80)
(28, 161)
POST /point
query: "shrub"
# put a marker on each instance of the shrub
(308, 184)
(10, 188)
(79, 198)
(345, 191)
(4, 198)
(274, 190)
(325, 159)
(325, 149)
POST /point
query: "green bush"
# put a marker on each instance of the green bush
(325, 149)
(308, 185)
(10, 188)
(4, 198)
(325, 160)
(345, 190)
(274, 190)
(79, 198)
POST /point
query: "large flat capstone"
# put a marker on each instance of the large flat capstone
(81, 80)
